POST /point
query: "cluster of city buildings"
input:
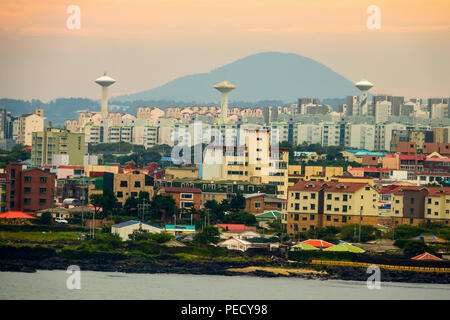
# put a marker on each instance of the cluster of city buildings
(398, 161)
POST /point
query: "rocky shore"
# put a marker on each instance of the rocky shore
(168, 265)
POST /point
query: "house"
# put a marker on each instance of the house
(235, 244)
(240, 234)
(260, 202)
(184, 197)
(124, 229)
(177, 229)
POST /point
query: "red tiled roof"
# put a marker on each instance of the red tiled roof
(307, 186)
(70, 167)
(317, 243)
(179, 189)
(346, 187)
(234, 227)
(413, 157)
(432, 191)
(426, 256)
(437, 160)
(16, 215)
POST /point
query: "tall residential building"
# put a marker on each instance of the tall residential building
(257, 160)
(309, 133)
(57, 146)
(352, 104)
(382, 111)
(28, 124)
(362, 136)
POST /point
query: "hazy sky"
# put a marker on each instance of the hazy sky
(143, 44)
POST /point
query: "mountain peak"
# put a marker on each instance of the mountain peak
(261, 76)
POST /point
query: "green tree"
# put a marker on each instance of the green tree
(162, 207)
(240, 218)
(215, 211)
(46, 218)
(237, 202)
(131, 206)
(368, 232)
(209, 234)
(414, 248)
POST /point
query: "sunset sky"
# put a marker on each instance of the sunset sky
(143, 44)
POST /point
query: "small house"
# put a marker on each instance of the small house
(235, 244)
(124, 229)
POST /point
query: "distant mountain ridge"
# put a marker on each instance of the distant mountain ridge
(262, 76)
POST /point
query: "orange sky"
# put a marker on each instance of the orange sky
(147, 43)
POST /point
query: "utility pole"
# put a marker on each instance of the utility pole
(360, 218)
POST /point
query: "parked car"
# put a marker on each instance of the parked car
(61, 220)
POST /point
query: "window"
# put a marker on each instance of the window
(411, 210)
(27, 179)
(411, 200)
(429, 201)
(313, 206)
(42, 201)
(43, 179)
(27, 190)
(311, 217)
(344, 208)
(257, 204)
(328, 206)
(27, 201)
(43, 190)
(297, 206)
(344, 219)
(429, 211)
(329, 196)
(134, 194)
(296, 217)
(137, 184)
(297, 195)
(123, 184)
(13, 173)
(305, 197)
(344, 197)
(187, 196)
(436, 213)
(119, 194)
(328, 218)
(313, 195)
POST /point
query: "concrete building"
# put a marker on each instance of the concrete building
(29, 124)
(185, 198)
(28, 190)
(52, 142)
(127, 185)
(383, 111)
(362, 136)
(314, 205)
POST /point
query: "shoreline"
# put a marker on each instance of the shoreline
(228, 268)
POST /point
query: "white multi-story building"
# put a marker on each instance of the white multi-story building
(309, 133)
(382, 111)
(362, 136)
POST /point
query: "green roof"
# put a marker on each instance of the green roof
(345, 247)
(303, 246)
(269, 215)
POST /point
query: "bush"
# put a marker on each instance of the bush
(416, 247)
(207, 235)
(368, 233)
(145, 235)
(46, 218)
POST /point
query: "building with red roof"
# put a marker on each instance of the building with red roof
(234, 227)
(315, 204)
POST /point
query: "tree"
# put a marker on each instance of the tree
(215, 211)
(97, 201)
(368, 233)
(414, 248)
(209, 234)
(163, 206)
(240, 218)
(46, 218)
(237, 202)
(131, 206)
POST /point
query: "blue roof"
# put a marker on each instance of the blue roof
(166, 159)
(131, 222)
(365, 152)
(178, 226)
